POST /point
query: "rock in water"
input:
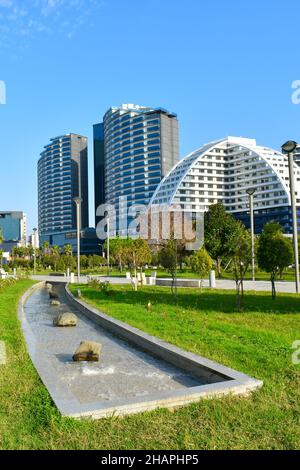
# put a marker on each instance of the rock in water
(65, 319)
(49, 286)
(53, 295)
(55, 303)
(88, 351)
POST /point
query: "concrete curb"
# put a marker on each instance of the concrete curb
(226, 381)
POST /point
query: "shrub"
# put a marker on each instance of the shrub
(99, 286)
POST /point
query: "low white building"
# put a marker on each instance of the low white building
(34, 239)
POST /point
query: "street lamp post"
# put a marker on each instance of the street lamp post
(78, 202)
(34, 250)
(250, 193)
(289, 148)
(108, 245)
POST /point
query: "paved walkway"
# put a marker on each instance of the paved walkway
(281, 286)
(83, 279)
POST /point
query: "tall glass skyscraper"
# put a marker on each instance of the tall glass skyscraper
(62, 176)
(99, 166)
(141, 145)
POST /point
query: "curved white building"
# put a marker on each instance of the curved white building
(222, 171)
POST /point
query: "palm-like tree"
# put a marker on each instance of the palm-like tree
(1, 251)
(55, 255)
(68, 250)
(46, 247)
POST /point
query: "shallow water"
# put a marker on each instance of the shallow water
(123, 371)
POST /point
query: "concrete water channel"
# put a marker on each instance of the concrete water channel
(136, 372)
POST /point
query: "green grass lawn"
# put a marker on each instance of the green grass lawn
(257, 342)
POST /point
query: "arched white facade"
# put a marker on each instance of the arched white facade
(222, 171)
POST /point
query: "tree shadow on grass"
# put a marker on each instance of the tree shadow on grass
(214, 301)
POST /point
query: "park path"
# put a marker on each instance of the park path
(265, 286)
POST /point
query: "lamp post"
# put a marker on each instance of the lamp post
(108, 245)
(289, 148)
(34, 250)
(250, 193)
(78, 202)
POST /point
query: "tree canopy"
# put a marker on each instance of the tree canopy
(201, 263)
(219, 226)
(275, 252)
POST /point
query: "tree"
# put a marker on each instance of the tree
(275, 252)
(1, 251)
(84, 261)
(61, 267)
(48, 261)
(241, 254)
(137, 254)
(218, 227)
(68, 250)
(20, 252)
(45, 247)
(117, 250)
(168, 259)
(96, 261)
(155, 259)
(181, 252)
(201, 263)
(68, 261)
(55, 253)
(30, 250)
(142, 253)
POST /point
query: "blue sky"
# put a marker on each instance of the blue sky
(225, 67)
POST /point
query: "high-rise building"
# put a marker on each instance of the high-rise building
(13, 229)
(223, 171)
(62, 176)
(99, 167)
(141, 145)
(34, 239)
